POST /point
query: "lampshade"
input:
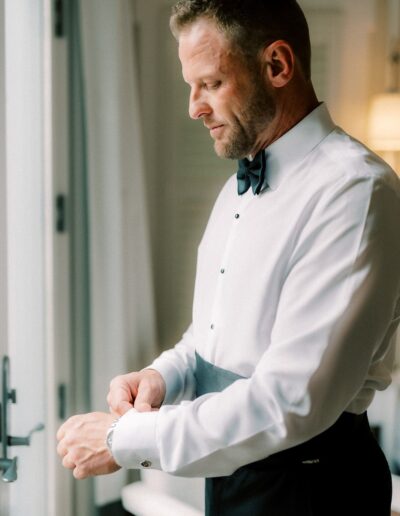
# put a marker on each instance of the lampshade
(384, 122)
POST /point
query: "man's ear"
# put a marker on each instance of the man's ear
(279, 63)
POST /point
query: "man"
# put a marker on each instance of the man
(296, 296)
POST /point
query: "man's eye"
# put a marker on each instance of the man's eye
(212, 85)
(215, 85)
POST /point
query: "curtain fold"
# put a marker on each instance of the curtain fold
(121, 289)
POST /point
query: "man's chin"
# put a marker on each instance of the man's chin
(225, 151)
(219, 150)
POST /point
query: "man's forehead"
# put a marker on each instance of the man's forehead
(202, 37)
(203, 44)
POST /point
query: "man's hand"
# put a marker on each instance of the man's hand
(82, 445)
(144, 390)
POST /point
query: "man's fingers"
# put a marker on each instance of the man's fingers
(143, 407)
(80, 473)
(61, 433)
(114, 412)
(144, 399)
(82, 445)
(120, 398)
(68, 463)
(142, 390)
(123, 407)
(61, 449)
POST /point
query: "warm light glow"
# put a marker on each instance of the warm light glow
(384, 122)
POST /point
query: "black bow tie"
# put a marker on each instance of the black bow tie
(252, 173)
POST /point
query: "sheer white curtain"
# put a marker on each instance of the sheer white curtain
(121, 296)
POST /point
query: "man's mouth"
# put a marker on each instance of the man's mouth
(216, 129)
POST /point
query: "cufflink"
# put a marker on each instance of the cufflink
(146, 464)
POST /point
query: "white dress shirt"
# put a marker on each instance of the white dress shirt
(297, 290)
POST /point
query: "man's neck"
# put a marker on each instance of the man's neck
(289, 113)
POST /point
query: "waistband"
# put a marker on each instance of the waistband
(347, 436)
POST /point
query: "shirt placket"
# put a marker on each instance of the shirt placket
(217, 317)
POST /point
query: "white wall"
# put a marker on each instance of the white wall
(3, 227)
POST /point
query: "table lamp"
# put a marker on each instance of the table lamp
(384, 119)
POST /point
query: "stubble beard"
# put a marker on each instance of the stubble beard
(257, 114)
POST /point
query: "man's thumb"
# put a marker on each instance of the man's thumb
(143, 407)
(143, 400)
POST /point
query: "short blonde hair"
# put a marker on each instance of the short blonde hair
(251, 25)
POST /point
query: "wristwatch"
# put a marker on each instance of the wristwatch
(110, 433)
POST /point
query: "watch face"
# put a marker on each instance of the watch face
(110, 433)
(109, 439)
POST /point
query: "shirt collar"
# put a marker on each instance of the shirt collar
(296, 144)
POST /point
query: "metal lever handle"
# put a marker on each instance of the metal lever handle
(9, 466)
(24, 441)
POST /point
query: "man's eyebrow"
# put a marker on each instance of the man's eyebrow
(218, 75)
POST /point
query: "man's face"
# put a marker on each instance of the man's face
(234, 100)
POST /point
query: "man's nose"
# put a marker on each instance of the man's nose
(198, 106)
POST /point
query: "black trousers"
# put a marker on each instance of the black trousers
(341, 472)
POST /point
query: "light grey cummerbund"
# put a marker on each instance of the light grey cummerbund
(210, 378)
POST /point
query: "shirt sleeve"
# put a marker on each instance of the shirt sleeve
(339, 300)
(176, 366)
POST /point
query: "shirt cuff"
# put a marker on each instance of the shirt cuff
(134, 443)
(173, 385)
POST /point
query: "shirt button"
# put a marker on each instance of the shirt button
(222, 271)
(237, 216)
(146, 464)
(212, 326)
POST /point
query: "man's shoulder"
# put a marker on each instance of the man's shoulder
(348, 159)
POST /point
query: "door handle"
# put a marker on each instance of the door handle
(9, 466)
(24, 441)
